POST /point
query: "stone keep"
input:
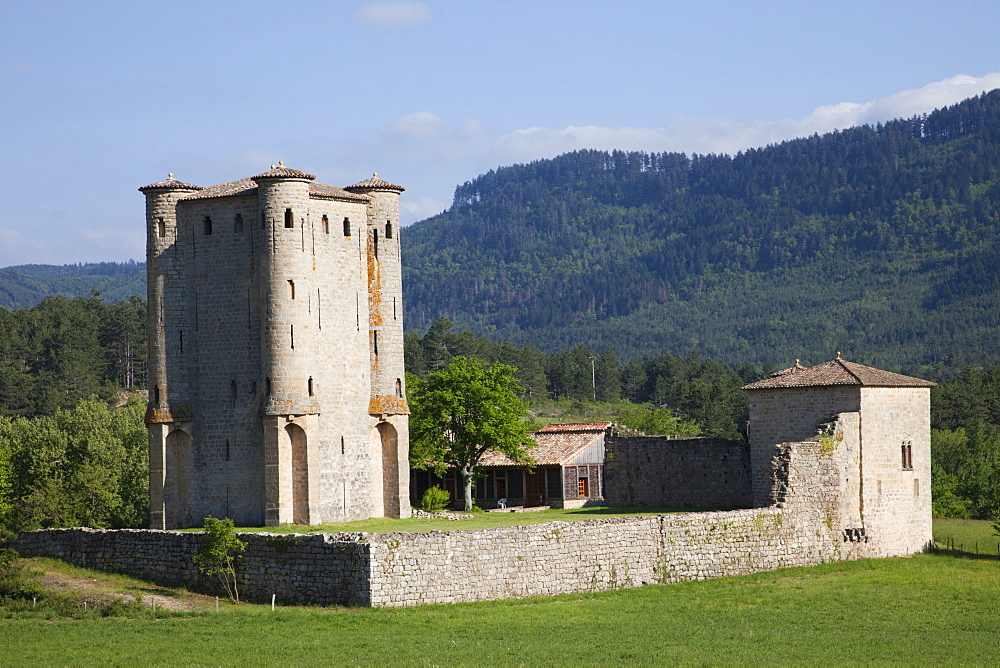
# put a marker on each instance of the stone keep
(877, 423)
(276, 384)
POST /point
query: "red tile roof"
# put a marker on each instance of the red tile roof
(248, 186)
(556, 444)
(836, 372)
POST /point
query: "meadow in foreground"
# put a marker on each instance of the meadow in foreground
(931, 608)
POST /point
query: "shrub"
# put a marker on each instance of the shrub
(15, 579)
(434, 499)
(220, 549)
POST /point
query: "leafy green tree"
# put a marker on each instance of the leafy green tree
(219, 553)
(657, 421)
(81, 467)
(463, 411)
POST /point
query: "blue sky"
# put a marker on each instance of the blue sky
(99, 98)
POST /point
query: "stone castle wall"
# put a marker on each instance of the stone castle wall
(686, 473)
(806, 528)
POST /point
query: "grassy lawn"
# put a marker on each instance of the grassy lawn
(933, 608)
(479, 520)
(970, 536)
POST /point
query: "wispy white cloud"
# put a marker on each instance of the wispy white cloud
(15, 67)
(419, 208)
(393, 13)
(421, 125)
(703, 134)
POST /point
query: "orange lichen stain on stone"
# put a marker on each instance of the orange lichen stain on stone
(374, 288)
(384, 404)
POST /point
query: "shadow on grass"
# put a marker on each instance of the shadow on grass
(969, 552)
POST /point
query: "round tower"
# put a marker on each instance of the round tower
(169, 395)
(387, 404)
(287, 350)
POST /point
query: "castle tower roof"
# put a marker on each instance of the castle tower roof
(375, 183)
(836, 372)
(282, 172)
(170, 184)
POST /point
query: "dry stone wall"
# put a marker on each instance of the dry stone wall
(399, 569)
(692, 473)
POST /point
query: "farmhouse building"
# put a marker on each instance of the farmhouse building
(277, 391)
(568, 471)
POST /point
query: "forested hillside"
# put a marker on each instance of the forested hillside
(26, 285)
(876, 241)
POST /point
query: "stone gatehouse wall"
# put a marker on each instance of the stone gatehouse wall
(692, 472)
(805, 528)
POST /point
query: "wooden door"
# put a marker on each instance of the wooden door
(534, 490)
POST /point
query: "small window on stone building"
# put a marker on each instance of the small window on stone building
(267, 386)
(375, 243)
(156, 395)
(907, 455)
(291, 335)
(289, 220)
(232, 389)
(161, 227)
(583, 487)
(206, 225)
(291, 289)
(238, 223)
(341, 445)
(375, 343)
(399, 388)
(388, 230)
(347, 227)
(227, 449)
(310, 386)
(326, 225)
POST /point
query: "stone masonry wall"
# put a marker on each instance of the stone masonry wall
(443, 567)
(693, 473)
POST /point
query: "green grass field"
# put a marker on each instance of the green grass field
(928, 609)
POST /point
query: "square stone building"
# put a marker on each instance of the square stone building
(876, 422)
(276, 384)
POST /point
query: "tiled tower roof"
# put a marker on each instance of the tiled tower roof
(375, 183)
(282, 172)
(170, 184)
(836, 372)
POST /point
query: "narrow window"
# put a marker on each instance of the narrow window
(375, 242)
(267, 386)
(291, 289)
(907, 455)
(326, 225)
(227, 455)
(375, 343)
(388, 230)
(156, 395)
(207, 225)
(347, 227)
(289, 221)
(393, 308)
(341, 445)
(182, 342)
(238, 223)
(232, 389)
(399, 388)
(310, 386)
(161, 227)
(291, 334)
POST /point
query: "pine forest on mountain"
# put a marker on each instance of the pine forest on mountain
(640, 287)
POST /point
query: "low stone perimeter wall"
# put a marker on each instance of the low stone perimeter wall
(558, 557)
